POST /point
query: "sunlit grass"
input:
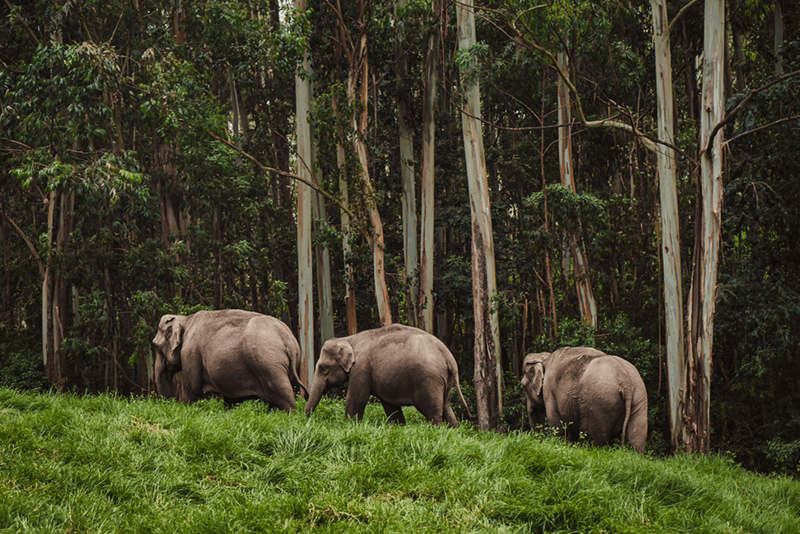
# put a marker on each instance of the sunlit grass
(111, 464)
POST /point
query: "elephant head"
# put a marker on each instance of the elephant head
(532, 381)
(336, 359)
(168, 342)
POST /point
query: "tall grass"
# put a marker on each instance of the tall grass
(110, 464)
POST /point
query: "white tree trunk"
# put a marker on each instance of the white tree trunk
(670, 228)
(427, 172)
(304, 221)
(409, 199)
(700, 320)
(488, 374)
(583, 285)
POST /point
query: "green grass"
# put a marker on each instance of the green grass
(111, 464)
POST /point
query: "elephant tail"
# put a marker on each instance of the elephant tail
(628, 397)
(294, 378)
(457, 384)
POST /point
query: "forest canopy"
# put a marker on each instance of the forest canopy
(150, 163)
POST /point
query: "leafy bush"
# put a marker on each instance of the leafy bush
(22, 370)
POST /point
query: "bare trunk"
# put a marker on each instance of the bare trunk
(780, 32)
(427, 169)
(548, 269)
(409, 199)
(359, 80)
(322, 254)
(304, 222)
(583, 284)
(702, 297)
(350, 292)
(484, 287)
(670, 228)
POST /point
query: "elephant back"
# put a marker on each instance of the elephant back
(570, 363)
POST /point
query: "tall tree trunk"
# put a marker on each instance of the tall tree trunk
(358, 83)
(780, 32)
(341, 163)
(548, 269)
(670, 228)
(409, 199)
(427, 167)
(484, 286)
(583, 284)
(322, 255)
(702, 296)
(304, 220)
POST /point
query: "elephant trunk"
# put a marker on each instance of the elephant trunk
(163, 379)
(317, 390)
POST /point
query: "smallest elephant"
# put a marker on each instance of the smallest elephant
(586, 392)
(401, 365)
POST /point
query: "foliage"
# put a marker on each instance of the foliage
(119, 178)
(132, 464)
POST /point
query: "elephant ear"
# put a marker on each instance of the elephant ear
(345, 356)
(538, 378)
(175, 336)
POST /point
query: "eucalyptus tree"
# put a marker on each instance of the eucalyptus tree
(488, 376)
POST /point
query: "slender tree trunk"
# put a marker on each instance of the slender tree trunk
(358, 82)
(548, 269)
(702, 297)
(350, 292)
(408, 182)
(484, 286)
(304, 220)
(323, 257)
(427, 167)
(583, 284)
(670, 228)
(780, 32)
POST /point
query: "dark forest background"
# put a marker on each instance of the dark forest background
(118, 196)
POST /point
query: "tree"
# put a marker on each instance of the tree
(484, 285)
(670, 231)
(304, 216)
(358, 98)
(703, 293)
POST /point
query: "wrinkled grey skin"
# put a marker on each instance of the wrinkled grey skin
(591, 393)
(235, 354)
(401, 365)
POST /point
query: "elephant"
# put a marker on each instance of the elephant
(592, 393)
(401, 365)
(235, 354)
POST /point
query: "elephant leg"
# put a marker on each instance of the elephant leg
(280, 395)
(637, 430)
(449, 416)
(394, 413)
(432, 408)
(358, 392)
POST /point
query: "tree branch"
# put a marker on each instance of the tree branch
(27, 242)
(287, 174)
(746, 100)
(679, 15)
(24, 22)
(764, 127)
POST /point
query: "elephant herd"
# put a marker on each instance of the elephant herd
(242, 355)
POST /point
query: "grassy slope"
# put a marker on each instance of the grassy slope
(107, 464)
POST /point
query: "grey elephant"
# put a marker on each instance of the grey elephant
(235, 354)
(589, 392)
(401, 365)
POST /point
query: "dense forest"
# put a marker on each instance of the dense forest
(172, 156)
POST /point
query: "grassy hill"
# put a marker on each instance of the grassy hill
(110, 464)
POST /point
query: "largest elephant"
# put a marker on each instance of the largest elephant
(586, 392)
(401, 365)
(235, 354)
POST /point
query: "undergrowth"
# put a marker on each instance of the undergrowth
(72, 463)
